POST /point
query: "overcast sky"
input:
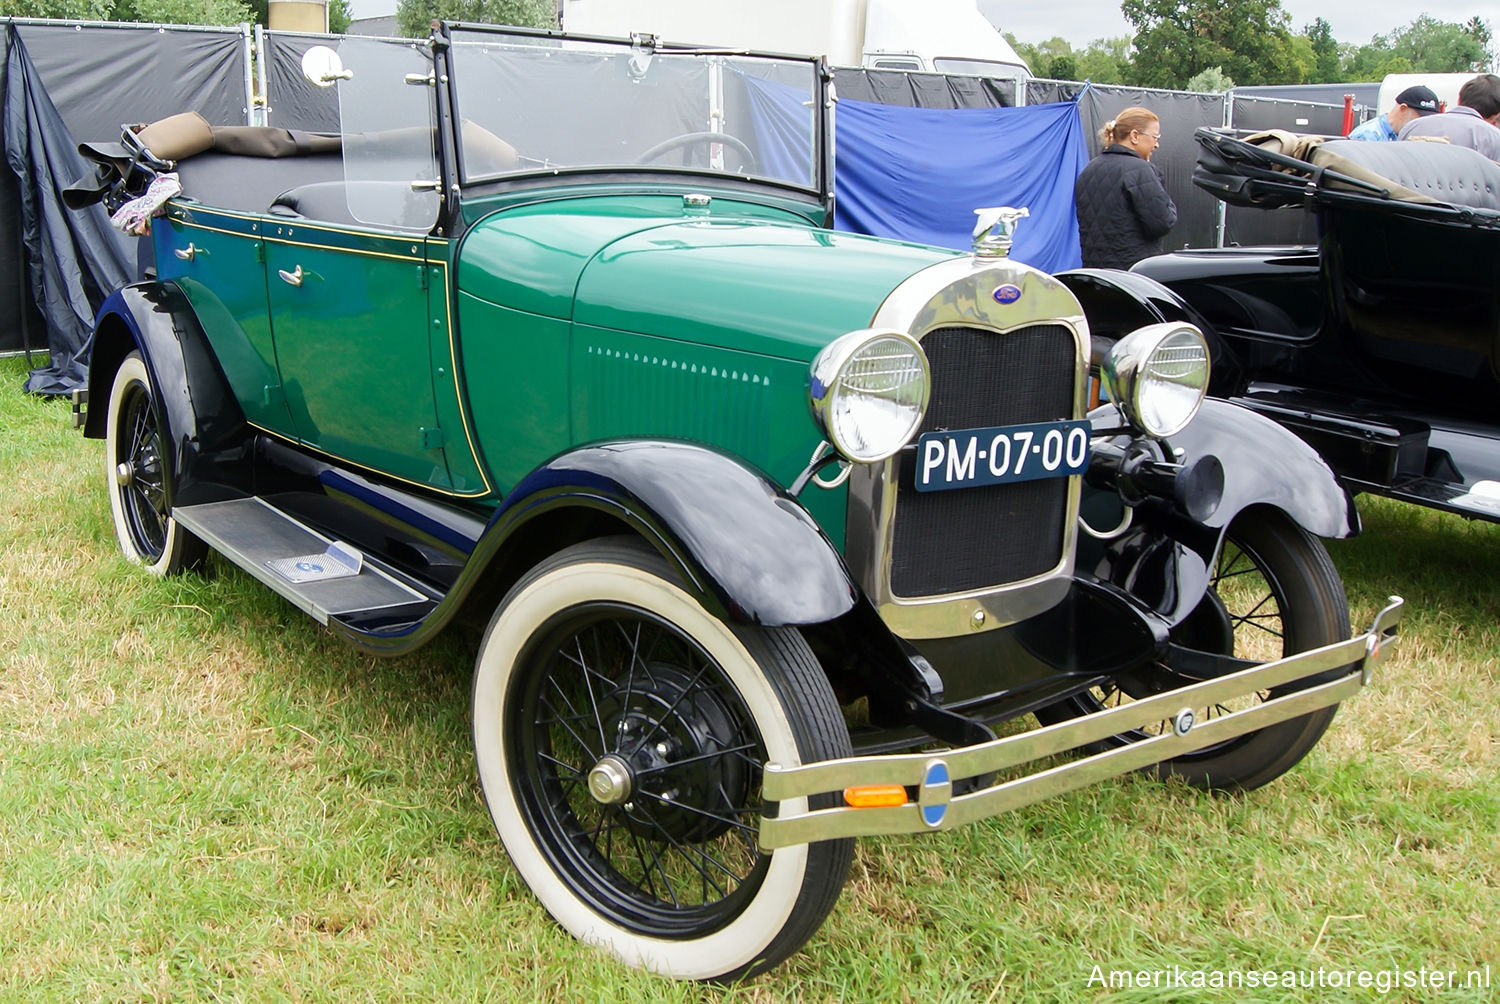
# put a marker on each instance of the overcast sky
(1082, 21)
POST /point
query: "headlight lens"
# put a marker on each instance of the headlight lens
(1158, 376)
(869, 390)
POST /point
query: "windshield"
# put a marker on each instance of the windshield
(530, 104)
(387, 127)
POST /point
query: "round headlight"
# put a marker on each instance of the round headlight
(868, 390)
(1158, 376)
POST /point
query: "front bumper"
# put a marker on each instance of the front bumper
(931, 775)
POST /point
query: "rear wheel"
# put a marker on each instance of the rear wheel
(136, 472)
(1274, 593)
(620, 732)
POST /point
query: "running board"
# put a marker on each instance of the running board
(321, 577)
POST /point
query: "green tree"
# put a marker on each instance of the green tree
(1106, 61)
(80, 10)
(1063, 68)
(1247, 39)
(1025, 50)
(414, 17)
(1481, 31)
(1212, 80)
(1434, 46)
(217, 12)
(1327, 68)
(209, 12)
(1041, 55)
(1424, 46)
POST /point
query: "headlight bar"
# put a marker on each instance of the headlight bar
(932, 773)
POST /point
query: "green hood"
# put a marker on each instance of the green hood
(741, 276)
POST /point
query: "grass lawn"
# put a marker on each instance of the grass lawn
(205, 796)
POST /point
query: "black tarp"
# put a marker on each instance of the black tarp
(1181, 112)
(1365, 95)
(921, 90)
(73, 259)
(297, 103)
(98, 77)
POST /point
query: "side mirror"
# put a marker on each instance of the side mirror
(322, 66)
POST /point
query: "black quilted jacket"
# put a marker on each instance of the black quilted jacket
(1123, 209)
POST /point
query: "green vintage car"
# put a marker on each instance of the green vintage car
(766, 527)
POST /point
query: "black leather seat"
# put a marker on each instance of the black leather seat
(329, 202)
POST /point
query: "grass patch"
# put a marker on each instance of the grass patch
(205, 796)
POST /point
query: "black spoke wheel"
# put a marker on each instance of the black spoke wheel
(136, 473)
(620, 733)
(1274, 592)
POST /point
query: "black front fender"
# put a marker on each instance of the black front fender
(1115, 303)
(747, 548)
(1266, 464)
(1164, 558)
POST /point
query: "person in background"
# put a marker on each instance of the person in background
(1124, 210)
(1474, 123)
(1411, 104)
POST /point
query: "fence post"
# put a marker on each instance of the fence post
(247, 57)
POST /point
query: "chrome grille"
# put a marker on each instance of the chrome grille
(958, 541)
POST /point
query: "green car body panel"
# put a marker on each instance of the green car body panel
(594, 305)
(579, 318)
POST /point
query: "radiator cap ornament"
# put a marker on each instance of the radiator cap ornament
(995, 230)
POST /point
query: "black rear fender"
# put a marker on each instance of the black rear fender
(197, 403)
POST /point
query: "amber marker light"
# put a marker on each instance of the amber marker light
(875, 796)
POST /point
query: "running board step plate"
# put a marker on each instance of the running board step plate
(256, 535)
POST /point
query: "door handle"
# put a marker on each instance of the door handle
(291, 278)
(189, 253)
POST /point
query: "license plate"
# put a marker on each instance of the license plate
(969, 458)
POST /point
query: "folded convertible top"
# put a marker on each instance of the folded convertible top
(1274, 169)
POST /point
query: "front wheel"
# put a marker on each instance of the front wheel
(136, 472)
(620, 732)
(1274, 592)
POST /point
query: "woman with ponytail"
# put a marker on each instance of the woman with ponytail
(1124, 210)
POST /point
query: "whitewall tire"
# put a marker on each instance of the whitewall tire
(619, 731)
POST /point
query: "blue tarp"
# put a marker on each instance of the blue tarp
(918, 174)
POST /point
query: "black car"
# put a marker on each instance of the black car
(1379, 346)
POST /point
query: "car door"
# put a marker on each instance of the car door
(349, 315)
(217, 260)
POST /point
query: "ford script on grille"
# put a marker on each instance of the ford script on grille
(968, 458)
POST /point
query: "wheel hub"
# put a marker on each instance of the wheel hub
(668, 771)
(609, 781)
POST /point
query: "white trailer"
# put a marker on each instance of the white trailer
(934, 36)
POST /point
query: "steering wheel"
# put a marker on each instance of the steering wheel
(696, 138)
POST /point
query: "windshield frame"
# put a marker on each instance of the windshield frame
(459, 186)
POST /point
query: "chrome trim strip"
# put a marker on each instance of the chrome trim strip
(958, 292)
(1360, 655)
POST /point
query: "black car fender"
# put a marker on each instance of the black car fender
(745, 548)
(1164, 557)
(1115, 303)
(197, 403)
